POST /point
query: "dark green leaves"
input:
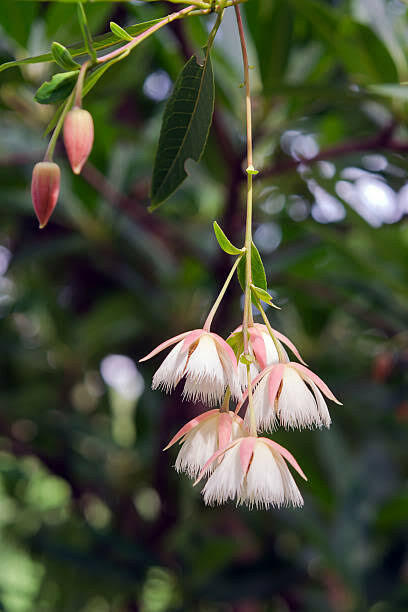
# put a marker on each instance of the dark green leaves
(223, 241)
(63, 57)
(58, 88)
(185, 128)
(258, 271)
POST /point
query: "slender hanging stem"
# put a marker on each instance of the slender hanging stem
(53, 141)
(80, 84)
(248, 231)
(278, 347)
(248, 319)
(207, 324)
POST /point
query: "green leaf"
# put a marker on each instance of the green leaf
(86, 33)
(223, 241)
(258, 270)
(58, 88)
(261, 294)
(63, 57)
(186, 124)
(119, 32)
(236, 342)
(100, 42)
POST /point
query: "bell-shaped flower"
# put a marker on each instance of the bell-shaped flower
(78, 137)
(252, 471)
(45, 188)
(263, 348)
(291, 395)
(203, 436)
(205, 360)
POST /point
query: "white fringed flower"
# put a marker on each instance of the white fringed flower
(205, 360)
(290, 394)
(203, 436)
(253, 471)
(264, 350)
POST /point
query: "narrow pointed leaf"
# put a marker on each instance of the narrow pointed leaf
(63, 57)
(261, 294)
(258, 270)
(223, 241)
(186, 124)
(119, 32)
(58, 88)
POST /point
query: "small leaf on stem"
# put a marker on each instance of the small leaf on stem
(224, 243)
(63, 57)
(58, 88)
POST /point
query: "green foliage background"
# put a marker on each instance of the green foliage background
(93, 518)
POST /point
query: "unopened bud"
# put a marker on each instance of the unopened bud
(78, 137)
(45, 187)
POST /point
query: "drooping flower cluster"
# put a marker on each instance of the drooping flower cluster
(221, 445)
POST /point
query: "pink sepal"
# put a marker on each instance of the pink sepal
(190, 425)
(215, 456)
(305, 372)
(225, 347)
(246, 449)
(286, 454)
(191, 338)
(258, 346)
(290, 344)
(275, 379)
(165, 345)
(224, 429)
(254, 382)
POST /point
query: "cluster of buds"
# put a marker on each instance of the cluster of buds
(221, 445)
(46, 177)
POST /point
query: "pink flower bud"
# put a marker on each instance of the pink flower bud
(78, 137)
(45, 187)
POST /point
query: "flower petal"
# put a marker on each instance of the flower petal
(171, 370)
(246, 449)
(226, 480)
(318, 381)
(225, 348)
(264, 483)
(274, 381)
(190, 425)
(216, 455)
(224, 429)
(258, 346)
(286, 454)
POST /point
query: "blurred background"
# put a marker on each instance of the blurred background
(93, 517)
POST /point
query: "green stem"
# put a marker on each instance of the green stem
(132, 44)
(207, 324)
(278, 347)
(216, 25)
(226, 401)
(248, 319)
(80, 84)
(53, 141)
(86, 34)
